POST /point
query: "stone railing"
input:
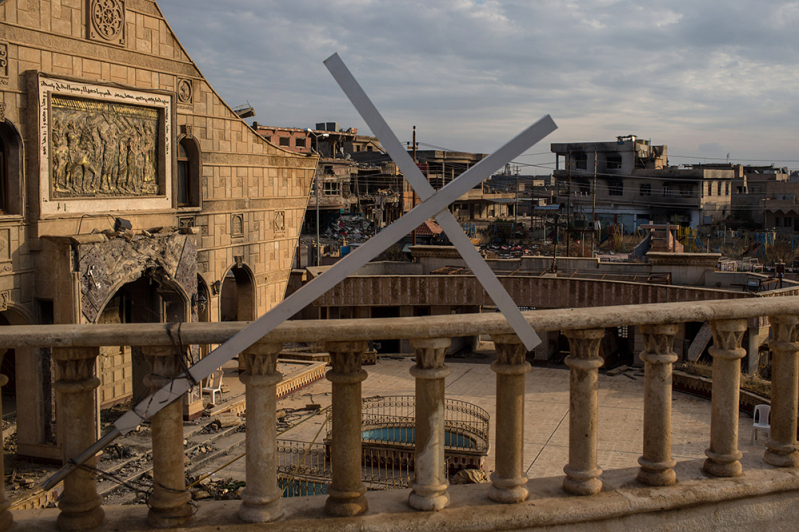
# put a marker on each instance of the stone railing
(75, 349)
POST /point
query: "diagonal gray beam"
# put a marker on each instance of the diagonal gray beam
(451, 227)
(240, 341)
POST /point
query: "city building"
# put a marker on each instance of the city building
(629, 183)
(130, 193)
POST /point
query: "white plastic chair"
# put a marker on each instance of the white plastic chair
(214, 384)
(762, 420)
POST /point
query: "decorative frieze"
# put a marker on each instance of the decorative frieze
(185, 91)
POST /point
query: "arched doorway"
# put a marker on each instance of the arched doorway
(122, 369)
(237, 302)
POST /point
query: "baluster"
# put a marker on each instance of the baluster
(508, 481)
(346, 490)
(261, 496)
(582, 474)
(657, 466)
(77, 422)
(782, 445)
(170, 500)
(6, 519)
(430, 480)
(723, 455)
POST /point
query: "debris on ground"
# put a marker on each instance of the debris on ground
(469, 476)
(352, 227)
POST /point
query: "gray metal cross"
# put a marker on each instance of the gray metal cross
(434, 204)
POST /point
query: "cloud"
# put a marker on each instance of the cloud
(471, 74)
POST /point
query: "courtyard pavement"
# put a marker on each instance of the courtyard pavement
(546, 429)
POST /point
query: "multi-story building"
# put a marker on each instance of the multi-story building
(629, 182)
(130, 192)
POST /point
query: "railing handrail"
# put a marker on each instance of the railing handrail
(445, 326)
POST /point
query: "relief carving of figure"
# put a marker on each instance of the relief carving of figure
(103, 148)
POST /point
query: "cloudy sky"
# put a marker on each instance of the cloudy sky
(705, 78)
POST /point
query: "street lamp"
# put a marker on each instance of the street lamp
(316, 180)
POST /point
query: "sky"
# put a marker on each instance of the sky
(707, 79)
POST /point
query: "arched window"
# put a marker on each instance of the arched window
(187, 184)
(10, 170)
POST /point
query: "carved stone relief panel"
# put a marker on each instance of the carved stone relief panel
(107, 21)
(103, 143)
(185, 90)
(103, 148)
(4, 299)
(237, 225)
(280, 221)
(5, 247)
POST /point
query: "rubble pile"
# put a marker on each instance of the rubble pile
(352, 227)
(223, 489)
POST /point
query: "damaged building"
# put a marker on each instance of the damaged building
(131, 193)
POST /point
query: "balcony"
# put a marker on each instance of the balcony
(729, 490)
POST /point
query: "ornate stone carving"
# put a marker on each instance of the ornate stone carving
(261, 359)
(94, 283)
(107, 21)
(345, 357)
(103, 149)
(659, 343)
(510, 349)
(4, 299)
(727, 338)
(5, 249)
(185, 93)
(584, 344)
(186, 271)
(2, 112)
(237, 225)
(280, 221)
(3, 63)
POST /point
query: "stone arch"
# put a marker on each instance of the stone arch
(237, 294)
(12, 164)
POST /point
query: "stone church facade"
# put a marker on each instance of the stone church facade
(129, 192)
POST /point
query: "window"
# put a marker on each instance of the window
(667, 191)
(788, 222)
(616, 188)
(332, 188)
(614, 162)
(739, 190)
(645, 190)
(580, 161)
(718, 189)
(585, 189)
(777, 221)
(301, 142)
(727, 188)
(285, 141)
(187, 183)
(10, 170)
(686, 191)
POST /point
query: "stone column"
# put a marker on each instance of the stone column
(346, 491)
(430, 479)
(6, 519)
(261, 497)
(508, 481)
(723, 455)
(582, 474)
(657, 466)
(170, 500)
(77, 422)
(782, 446)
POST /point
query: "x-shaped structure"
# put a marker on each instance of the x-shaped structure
(434, 204)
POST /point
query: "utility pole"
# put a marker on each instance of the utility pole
(593, 212)
(413, 192)
(318, 245)
(569, 207)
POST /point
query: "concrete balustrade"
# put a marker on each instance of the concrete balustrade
(782, 449)
(430, 481)
(170, 500)
(6, 519)
(258, 371)
(723, 456)
(346, 491)
(508, 481)
(76, 347)
(75, 385)
(657, 466)
(582, 473)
